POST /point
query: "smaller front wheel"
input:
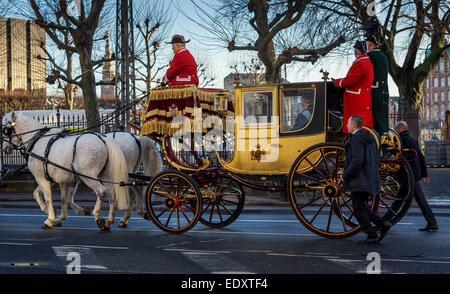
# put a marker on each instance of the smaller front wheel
(224, 200)
(174, 201)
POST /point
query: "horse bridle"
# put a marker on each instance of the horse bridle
(9, 132)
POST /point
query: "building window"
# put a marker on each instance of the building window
(442, 82)
(442, 66)
(436, 82)
(443, 112)
(436, 97)
(442, 96)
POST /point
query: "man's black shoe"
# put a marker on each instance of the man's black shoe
(384, 229)
(371, 238)
(429, 228)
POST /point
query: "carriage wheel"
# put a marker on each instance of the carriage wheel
(224, 200)
(396, 189)
(174, 201)
(391, 145)
(316, 195)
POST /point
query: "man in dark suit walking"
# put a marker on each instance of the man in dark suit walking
(361, 178)
(419, 169)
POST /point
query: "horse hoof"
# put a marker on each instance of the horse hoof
(100, 223)
(106, 229)
(57, 224)
(122, 224)
(87, 211)
(147, 216)
(46, 227)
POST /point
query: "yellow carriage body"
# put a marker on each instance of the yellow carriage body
(267, 139)
(265, 143)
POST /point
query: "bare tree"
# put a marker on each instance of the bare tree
(82, 30)
(249, 74)
(206, 76)
(61, 72)
(412, 30)
(152, 21)
(280, 32)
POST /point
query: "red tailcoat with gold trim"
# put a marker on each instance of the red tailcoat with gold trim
(182, 71)
(358, 92)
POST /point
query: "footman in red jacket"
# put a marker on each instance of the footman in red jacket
(183, 68)
(358, 84)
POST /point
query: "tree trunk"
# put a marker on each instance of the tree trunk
(408, 113)
(89, 93)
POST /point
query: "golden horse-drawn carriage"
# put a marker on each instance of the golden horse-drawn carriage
(287, 138)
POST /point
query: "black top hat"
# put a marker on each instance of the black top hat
(360, 45)
(178, 39)
(373, 31)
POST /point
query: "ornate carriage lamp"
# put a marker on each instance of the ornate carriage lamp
(220, 103)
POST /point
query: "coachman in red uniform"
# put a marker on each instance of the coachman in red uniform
(358, 84)
(183, 68)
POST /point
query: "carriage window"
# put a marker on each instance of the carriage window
(297, 107)
(257, 107)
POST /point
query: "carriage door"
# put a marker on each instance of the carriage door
(257, 131)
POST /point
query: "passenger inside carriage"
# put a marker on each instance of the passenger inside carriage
(305, 114)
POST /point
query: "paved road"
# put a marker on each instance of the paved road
(268, 242)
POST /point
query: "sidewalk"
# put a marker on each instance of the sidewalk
(253, 203)
(437, 192)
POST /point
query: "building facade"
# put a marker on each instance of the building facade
(22, 68)
(436, 94)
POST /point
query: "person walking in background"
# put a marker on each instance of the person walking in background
(419, 169)
(361, 178)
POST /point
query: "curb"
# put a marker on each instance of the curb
(249, 207)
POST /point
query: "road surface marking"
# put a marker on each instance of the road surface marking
(15, 244)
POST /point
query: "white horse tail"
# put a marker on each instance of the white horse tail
(152, 161)
(116, 170)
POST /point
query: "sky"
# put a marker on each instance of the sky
(221, 60)
(218, 58)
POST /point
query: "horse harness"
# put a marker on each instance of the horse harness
(135, 139)
(27, 152)
(74, 150)
(53, 139)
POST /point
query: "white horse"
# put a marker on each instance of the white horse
(148, 155)
(92, 160)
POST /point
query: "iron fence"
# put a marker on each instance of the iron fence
(77, 122)
(71, 121)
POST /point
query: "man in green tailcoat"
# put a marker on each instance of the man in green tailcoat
(380, 91)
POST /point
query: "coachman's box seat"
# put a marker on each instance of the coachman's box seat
(184, 101)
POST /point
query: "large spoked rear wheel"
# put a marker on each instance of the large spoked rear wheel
(396, 189)
(174, 201)
(316, 195)
(224, 200)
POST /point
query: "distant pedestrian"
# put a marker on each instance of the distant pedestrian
(361, 177)
(419, 169)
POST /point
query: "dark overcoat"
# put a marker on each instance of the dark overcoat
(362, 160)
(380, 91)
(417, 160)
